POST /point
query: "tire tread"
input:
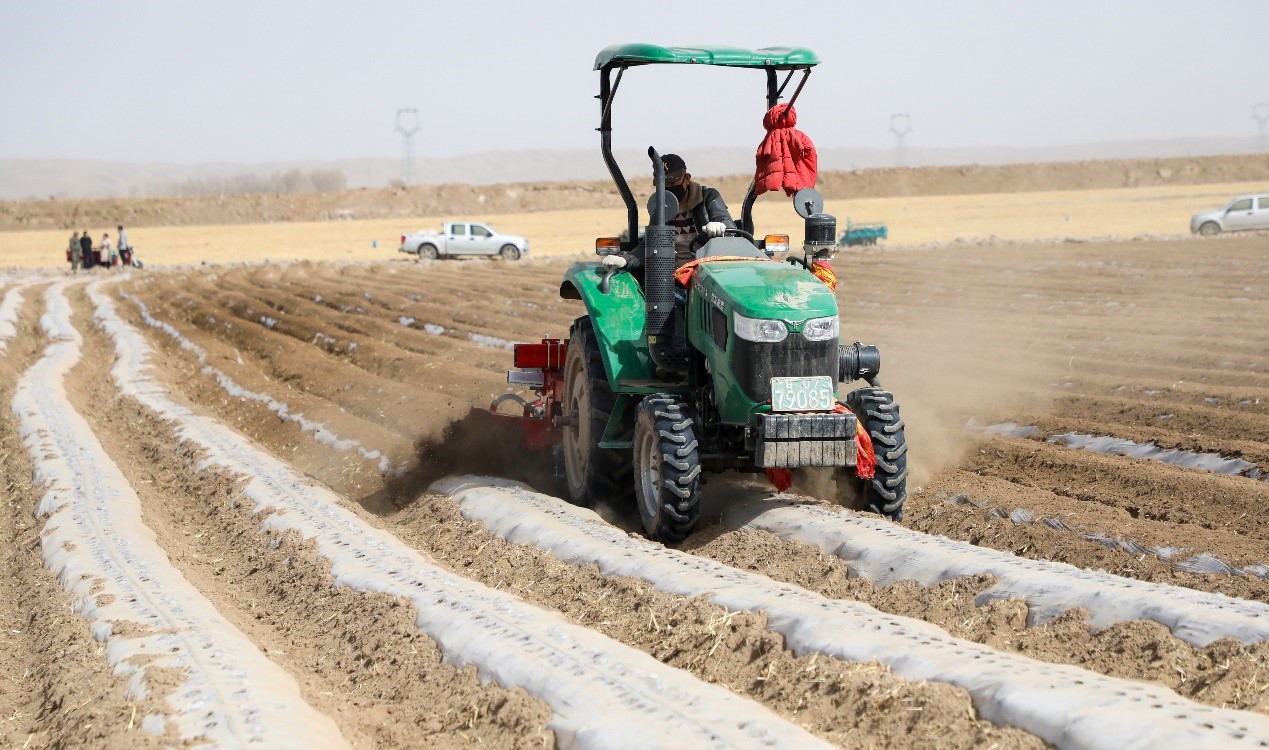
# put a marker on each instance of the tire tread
(876, 409)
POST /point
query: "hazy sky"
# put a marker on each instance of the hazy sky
(218, 80)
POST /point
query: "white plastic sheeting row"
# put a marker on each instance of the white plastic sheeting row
(1114, 446)
(887, 553)
(1066, 706)
(98, 545)
(603, 694)
(10, 306)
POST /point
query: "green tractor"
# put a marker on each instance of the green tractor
(738, 370)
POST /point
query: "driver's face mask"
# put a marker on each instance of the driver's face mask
(677, 188)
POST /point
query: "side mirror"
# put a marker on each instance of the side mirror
(807, 202)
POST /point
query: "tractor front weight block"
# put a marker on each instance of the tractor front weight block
(790, 441)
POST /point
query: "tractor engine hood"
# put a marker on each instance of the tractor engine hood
(765, 290)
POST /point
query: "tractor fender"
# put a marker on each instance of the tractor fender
(618, 319)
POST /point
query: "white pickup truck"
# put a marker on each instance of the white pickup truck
(463, 238)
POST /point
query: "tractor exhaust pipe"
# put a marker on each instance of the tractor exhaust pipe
(658, 277)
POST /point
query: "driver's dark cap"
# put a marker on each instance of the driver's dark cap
(675, 167)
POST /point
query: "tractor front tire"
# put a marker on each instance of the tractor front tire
(877, 411)
(590, 472)
(667, 469)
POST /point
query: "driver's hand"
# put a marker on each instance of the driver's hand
(715, 229)
(613, 262)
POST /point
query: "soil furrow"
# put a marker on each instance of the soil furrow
(519, 644)
(1069, 641)
(56, 686)
(755, 664)
(1140, 487)
(358, 657)
(373, 381)
(937, 513)
(1223, 674)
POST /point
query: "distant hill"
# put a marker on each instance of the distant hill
(76, 178)
(457, 199)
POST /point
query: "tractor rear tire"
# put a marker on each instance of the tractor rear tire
(877, 411)
(591, 473)
(667, 469)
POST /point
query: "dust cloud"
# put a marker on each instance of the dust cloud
(480, 444)
(946, 366)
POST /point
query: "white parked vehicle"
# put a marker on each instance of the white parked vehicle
(1244, 213)
(464, 238)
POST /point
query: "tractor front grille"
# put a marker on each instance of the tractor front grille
(755, 364)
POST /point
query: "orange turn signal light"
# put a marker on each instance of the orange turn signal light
(607, 245)
(776, 243)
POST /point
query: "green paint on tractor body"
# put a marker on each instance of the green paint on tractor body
(618, 318)
(739, 370)
(777, 58)
(760, 290)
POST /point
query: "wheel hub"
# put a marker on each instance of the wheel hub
(648, 466)
(576, 432)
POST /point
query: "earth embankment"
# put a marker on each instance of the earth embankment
(443, 200)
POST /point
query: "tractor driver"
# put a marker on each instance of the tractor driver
(702, 210)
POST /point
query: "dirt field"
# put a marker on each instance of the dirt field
(1050, 216)
(219, 525)
(923, 206)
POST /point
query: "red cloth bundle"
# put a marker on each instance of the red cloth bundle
(786, 157)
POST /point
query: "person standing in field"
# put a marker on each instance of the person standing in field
(125, 250)
(73, 252)
(86, 249)
(103, 257)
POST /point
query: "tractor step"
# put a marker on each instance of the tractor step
(651, 386)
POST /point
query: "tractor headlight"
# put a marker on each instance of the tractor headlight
(821, 329)
(760, 331)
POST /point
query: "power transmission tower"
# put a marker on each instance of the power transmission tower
(900, 125)
(1260, 113)
(407, 126)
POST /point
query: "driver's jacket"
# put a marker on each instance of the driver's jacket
(699, 206)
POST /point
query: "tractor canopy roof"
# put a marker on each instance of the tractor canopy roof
(779, 58)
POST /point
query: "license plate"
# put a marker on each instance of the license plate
(803, 394)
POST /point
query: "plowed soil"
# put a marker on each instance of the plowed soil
(1159, 342)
